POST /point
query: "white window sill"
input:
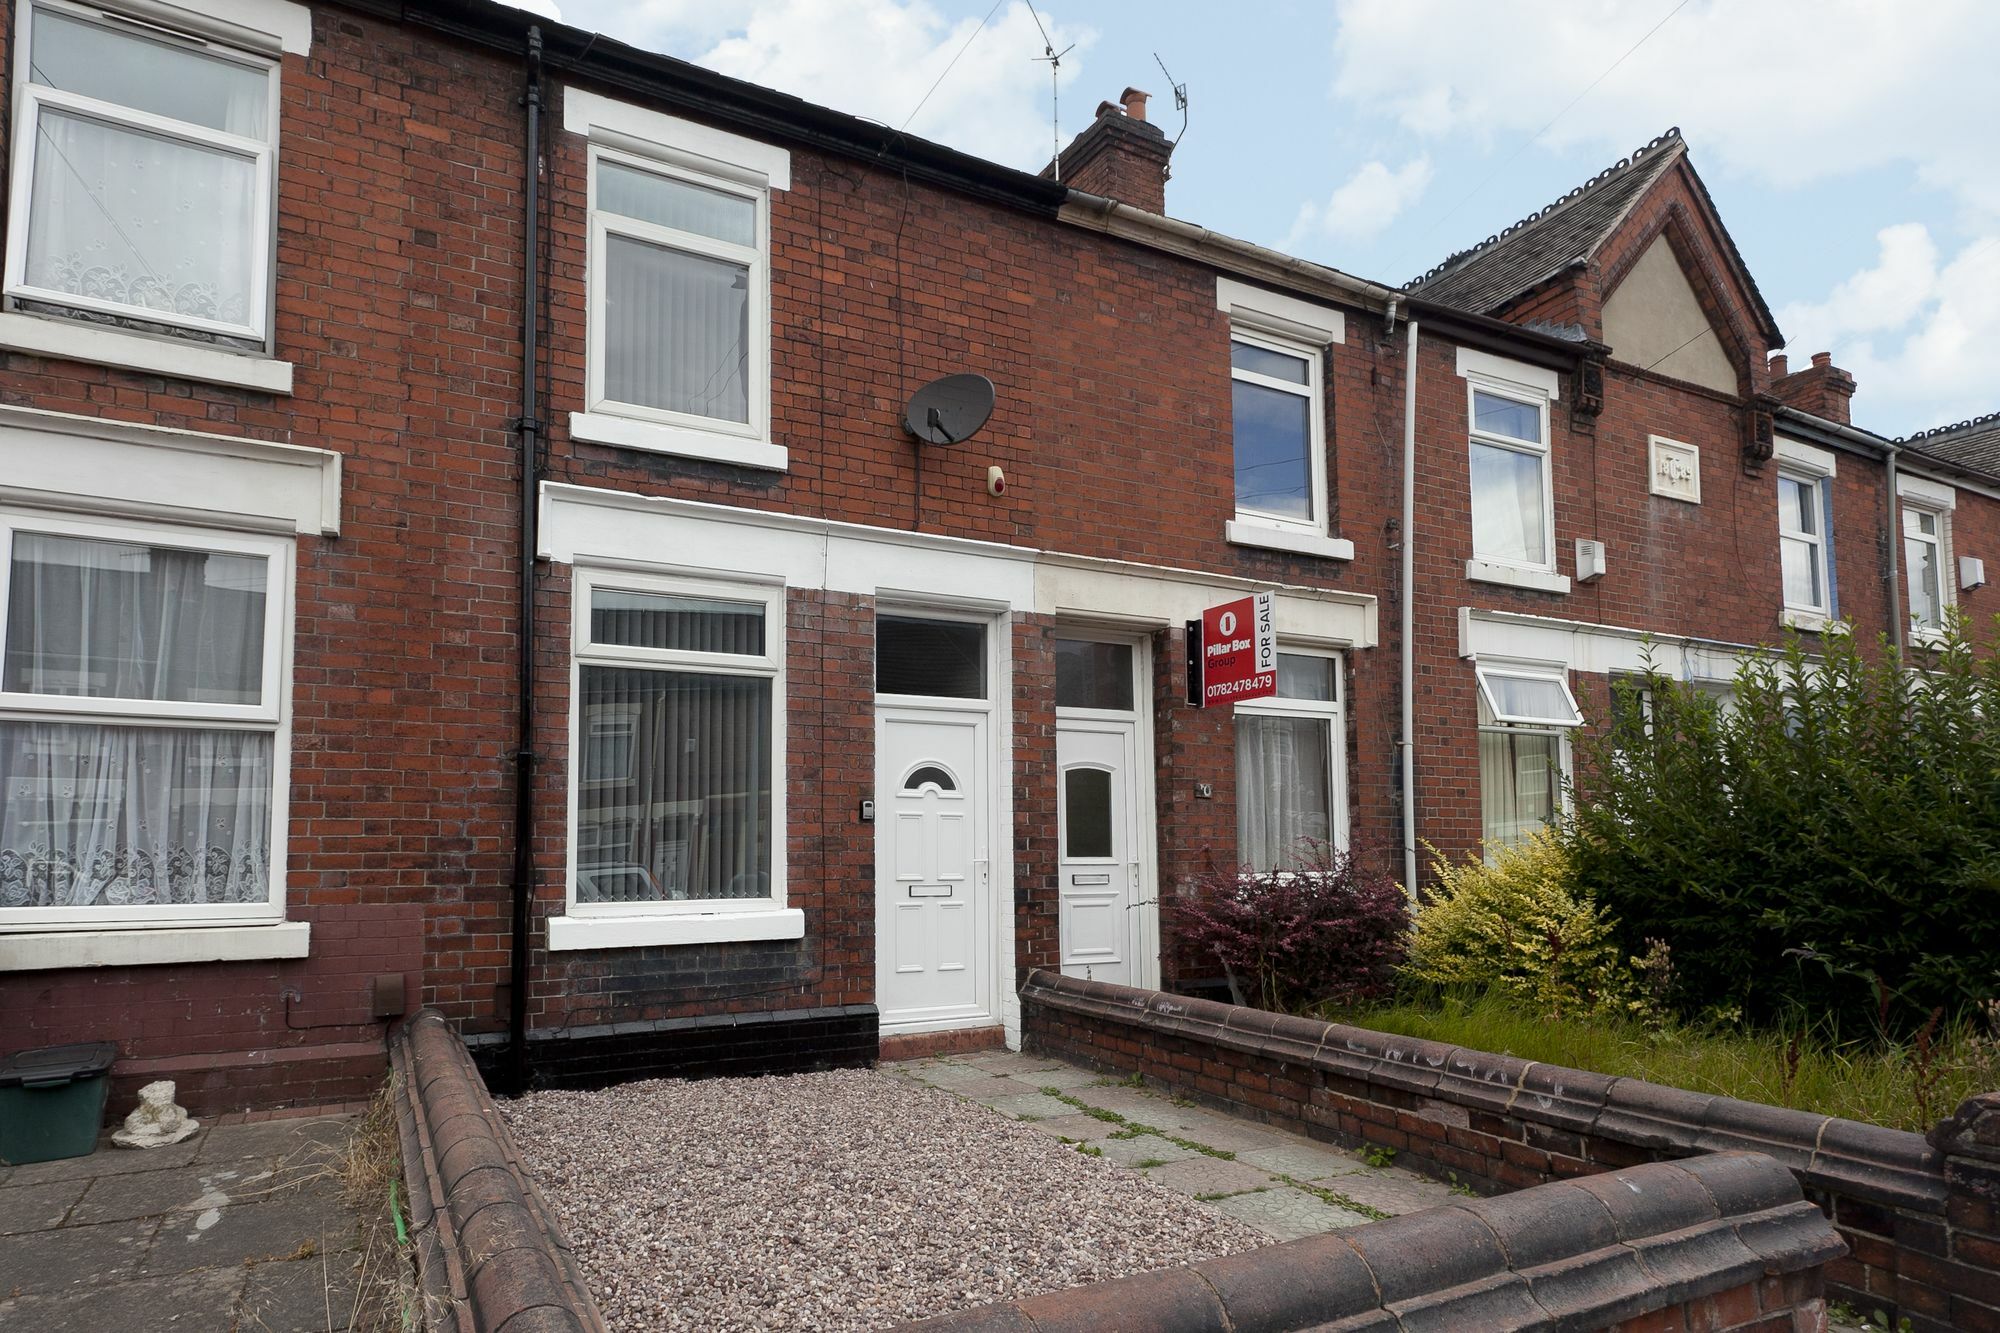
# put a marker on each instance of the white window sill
(74, 340)
(686, 442)
(45, 949)
(1928, 638)
(1539, 580)
(1813, 622)
(1242, 532)
(637, 932)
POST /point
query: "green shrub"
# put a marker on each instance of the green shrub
(1823, 852)
(1514, 924)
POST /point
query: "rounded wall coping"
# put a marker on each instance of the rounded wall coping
(1882, 1165)
(443, 1111)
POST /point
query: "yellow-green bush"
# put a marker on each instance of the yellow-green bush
(1515, 925)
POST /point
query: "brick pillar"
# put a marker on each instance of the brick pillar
(1970, 1142)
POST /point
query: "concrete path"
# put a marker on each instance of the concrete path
(1285, 1185)
(238, 1230)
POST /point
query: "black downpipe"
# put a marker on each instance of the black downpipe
(530, 427)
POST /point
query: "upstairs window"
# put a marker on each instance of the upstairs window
(1513, 501)
(1802, 543)
(143, 167)
(1923, 556)
(1280, 438)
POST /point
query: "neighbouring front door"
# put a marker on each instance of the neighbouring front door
(1107, 910)
(932, 872)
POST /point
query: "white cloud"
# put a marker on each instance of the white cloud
(1363, 207)
(1918, 335)
(1787, 92)
(877, 59)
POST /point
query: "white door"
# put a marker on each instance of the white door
(934, 911)
(1101, 894)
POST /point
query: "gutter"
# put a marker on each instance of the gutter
(530, 427)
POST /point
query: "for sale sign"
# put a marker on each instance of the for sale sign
(1233, 652)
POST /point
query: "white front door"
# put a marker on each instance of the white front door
(933, 883)
(1101, 864)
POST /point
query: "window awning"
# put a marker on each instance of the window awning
(1529, 696)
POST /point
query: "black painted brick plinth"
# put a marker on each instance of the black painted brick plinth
(795, 1041)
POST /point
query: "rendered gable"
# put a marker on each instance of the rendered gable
(1654, 320)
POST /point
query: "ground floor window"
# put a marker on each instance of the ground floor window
(142, 723)
(1526, 715)
(678, 739)
(1290, 778)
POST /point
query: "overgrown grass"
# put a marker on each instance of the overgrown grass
(1909, 1086)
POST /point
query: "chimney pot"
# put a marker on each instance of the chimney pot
(1822, 359)
(1135, 103)
(1781, 366)
(1106, 109)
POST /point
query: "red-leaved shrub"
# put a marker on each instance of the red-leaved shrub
(1333, 930)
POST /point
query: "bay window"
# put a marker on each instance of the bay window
(143, 176)
(1291, 752)
(143, 712)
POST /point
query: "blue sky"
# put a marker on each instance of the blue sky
(1849, 145)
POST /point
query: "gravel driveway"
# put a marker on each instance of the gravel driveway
(844, 1200)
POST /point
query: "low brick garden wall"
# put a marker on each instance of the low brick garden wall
(1920, 1214)
(490, 1258)
(1722, 1242)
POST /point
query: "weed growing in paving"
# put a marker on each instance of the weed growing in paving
(1229, 1194)
(1337, 1199)
(1377, 1156)
(1132, 1129)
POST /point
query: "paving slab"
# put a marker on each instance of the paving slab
(1200, 1175)
(297, 1227)
(313, 1295)
(1145, 1150)
(306, 1139)
(1284, 1213)
(200, 1302)
(1393, 1190)
(38, 1207)
(1033, 1106)
(996, 1090)
(107, 1161)
(1077, 1126)
(1304, 1161)
(152, 1193)
(1008, 1062)
(39, 1261)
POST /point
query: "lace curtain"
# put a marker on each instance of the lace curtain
(120, 813)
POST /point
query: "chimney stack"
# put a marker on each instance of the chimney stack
(1120, 155)
(1822, 389)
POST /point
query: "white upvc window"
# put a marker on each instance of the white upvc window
(677, 732)
(144, 162)
(1291, 765)
(1278, 419)
(1804, 549)
(144, 724)
(1513, 493)
(1526, 717)
(1927, 555)
(679, 355)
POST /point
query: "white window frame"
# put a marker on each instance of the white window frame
(272, 714)
(1493, 568)
(636, 425)
(601, 925)
(1803, 615)
(1918, 496)
(1491, 720)
(1313, 391)
(29, 100)
(1333, 712)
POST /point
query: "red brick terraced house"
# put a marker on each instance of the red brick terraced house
(467, 543)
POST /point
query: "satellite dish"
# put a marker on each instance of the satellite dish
(950, 410)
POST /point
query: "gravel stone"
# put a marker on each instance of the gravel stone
(844, 1200)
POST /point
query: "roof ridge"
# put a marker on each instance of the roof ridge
(1990, 419)
(1672, 136)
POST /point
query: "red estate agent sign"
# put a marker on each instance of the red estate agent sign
(1233, 652)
